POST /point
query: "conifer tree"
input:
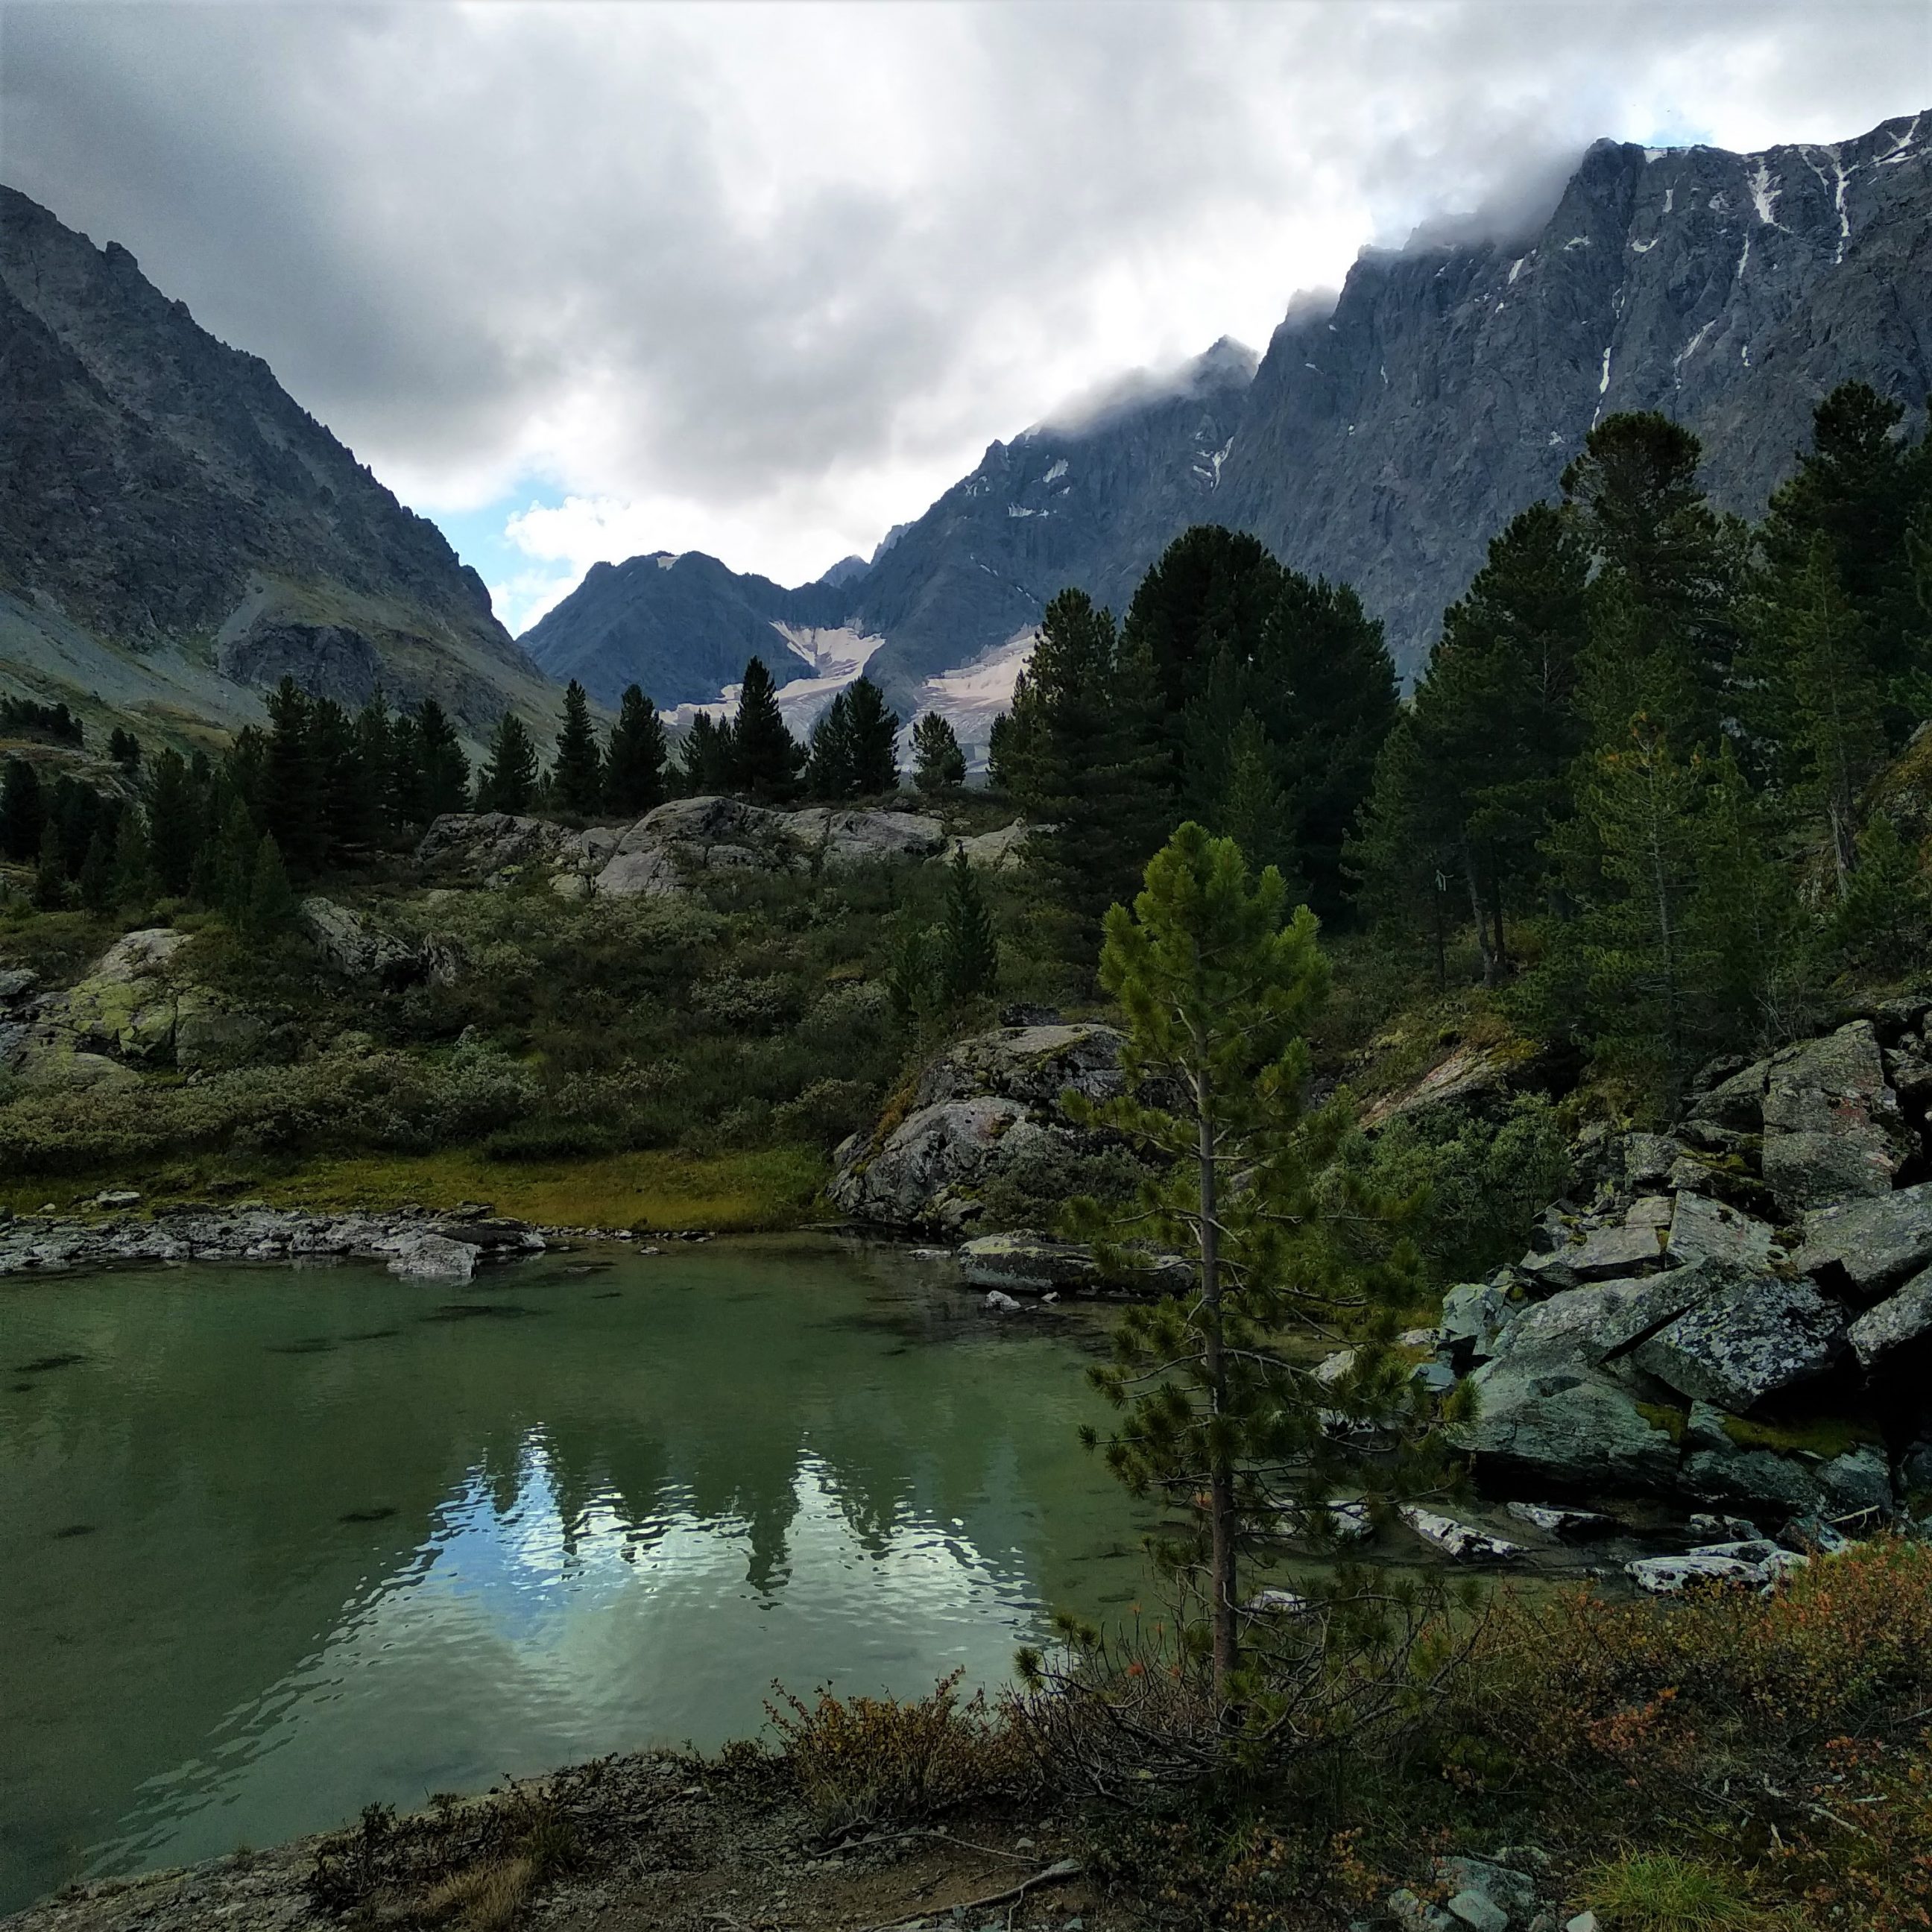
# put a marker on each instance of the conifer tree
(969, 953)
(1085, 757)
(292, 803)
(134, 858)
(22, 811)
(1885, 917)
(1404, 853)
(124, 749)
(443, 783)
(765, 760)
(576, 778)
(509, 779)
(271, 905)
(173, 815)
(709, 758)
(229, 861)
(1209, 596)
(378, 747)
(831, 771)
(939, 766)
(96, 879)
(1251, 809)
(1330, 659)
(1218, 983)
(50, 868)
(875, 731)
(635, 758)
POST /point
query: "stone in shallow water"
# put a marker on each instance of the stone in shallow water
(1460, 1541)
(433, 1257)
(1567, 1524)
(1753, 1565)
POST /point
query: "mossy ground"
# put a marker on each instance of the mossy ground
(755, 1191)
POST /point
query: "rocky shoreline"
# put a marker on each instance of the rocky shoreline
(413, 1241)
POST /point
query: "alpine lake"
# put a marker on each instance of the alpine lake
(278, 1543)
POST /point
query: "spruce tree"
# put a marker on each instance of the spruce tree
(1209, 595)
(134, 858)
(442, 771)
(348, 795)
(1884, 920)
(576, 778)
(509, 778)
(709, 757)
(124, 749)
(292, 803)
(830, 769)
(939, 766)
(765, 758)
(875, 731)
(377, 750)
(173, 813)
(1087, 763)
(1251, 809)
(22, 811)
(635, 757)
(969, 953)
(229, 861)
(1329, 658)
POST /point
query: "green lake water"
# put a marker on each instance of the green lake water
(274, 1544)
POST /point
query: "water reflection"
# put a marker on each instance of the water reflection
(327, 1574)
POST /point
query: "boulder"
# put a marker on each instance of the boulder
(834, 838)
(1753, 1565)
(1906, 1317)
(208, 1034)
(1568, 1429)
(1757, 1335)
(432, 1257)
(488, 846)
(1504, 1888)
(1730, 1476)
(1034, 1065)
(1648, 1159)
(1469, 1076)
(1736, 1104)
(1832, 1128)
(1857, 1484)
(1861, 1248)
(1569, 1525)
(1475, 1316)
(1703, 1230)
(1596, 1254)
(1024, 1263)
(1459, 1541)
(931, 1167)
(1587, 1326)
(1001, 851)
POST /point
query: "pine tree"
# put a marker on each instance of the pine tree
(174, 813)
(765, 760)
(229, 861)
(124, 749)
(1218, 983)
(576, 778)
(969, 953)
(271, 900)
(22, 811)
(830, 770)
(874, 739)
(939, 766)
(509, 779)
(348, 795)
(1884, 920)
(1208, 597)
(635, 758)
(376, 749)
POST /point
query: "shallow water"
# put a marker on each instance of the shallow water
(276, 1543)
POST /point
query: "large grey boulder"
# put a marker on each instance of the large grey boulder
(1756, 1336)
(1705, 1230)
(989, 1104)
(1906, 1317)
(1597, 1254)
(1862, 1247)
(1832, 1127)
(1588, 1325)
(1023, 1262)
(488, 847)
(1725, 1473)
(1570, 1428)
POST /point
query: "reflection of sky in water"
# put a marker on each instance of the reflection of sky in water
(512, 1641)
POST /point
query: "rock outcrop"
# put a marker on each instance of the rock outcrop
(668, 848)
(1742, 1316)
(986, 1104)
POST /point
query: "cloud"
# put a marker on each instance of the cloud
(762, 280)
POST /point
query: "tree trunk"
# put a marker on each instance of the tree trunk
(1220, 1472)
(1478, 914)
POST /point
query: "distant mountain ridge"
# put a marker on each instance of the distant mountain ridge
(176, 533)
(1386, 440)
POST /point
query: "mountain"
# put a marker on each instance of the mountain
(1385, 439)
(175, 532)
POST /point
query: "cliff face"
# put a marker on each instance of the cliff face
(1387, 441)
(175, 531)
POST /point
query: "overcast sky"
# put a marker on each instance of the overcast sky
(581, 280)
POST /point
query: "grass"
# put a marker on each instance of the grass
(1658, 1893)
(767, 1189)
